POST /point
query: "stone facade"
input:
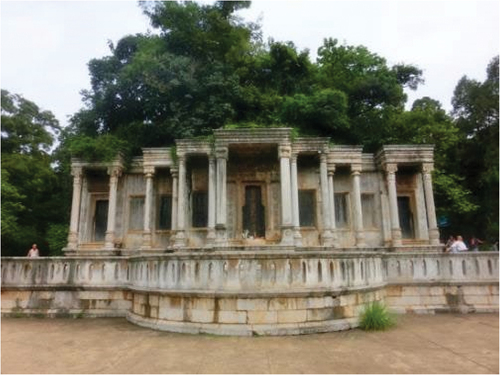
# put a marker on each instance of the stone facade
(254, 187)
(252, 232)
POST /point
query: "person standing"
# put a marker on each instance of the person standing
(458, 246)
(33, 252)
(474, 243)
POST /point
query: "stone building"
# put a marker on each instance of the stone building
(252, 232)
(254, 187)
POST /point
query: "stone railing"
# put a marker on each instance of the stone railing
(245, 293)
(251, 271)
(257, 272)
(64, 272)
(414, 267)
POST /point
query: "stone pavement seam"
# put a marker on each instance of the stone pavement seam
(463, 355)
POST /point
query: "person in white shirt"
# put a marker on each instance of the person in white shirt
(33, 252)
(458, 245)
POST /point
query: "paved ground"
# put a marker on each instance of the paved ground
(418, 344)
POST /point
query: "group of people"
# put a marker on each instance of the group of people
(456, 245)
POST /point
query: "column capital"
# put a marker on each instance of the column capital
(174, 171)
(76, 172)
(391, 168)
(427, 167)
(356, 169)
(149, 171)
(284, 151)
(114, 171)
(181, 157)
(293, 156)
(221, 152)
(331, 167)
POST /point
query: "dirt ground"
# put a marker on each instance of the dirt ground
(418, 344)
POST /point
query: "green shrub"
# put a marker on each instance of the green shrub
(57, 237)
(376, 318)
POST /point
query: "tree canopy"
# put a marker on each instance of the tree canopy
(203, 68)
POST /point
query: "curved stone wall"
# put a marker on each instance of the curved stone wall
(250, 292)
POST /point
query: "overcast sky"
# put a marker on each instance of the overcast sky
(46, 45)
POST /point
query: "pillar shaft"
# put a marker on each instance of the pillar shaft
(221, 194)
(391, 170)
(148, 201)
(75, 207)
(211, 200)
(115, 173)
(429, 203)
(180, 238)
(286, 195)
(295, 202)
(331, 195)
(327, 239)
(358, 211)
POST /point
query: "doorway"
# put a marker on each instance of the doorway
(100, 220)
(253, 213)
(405, 217)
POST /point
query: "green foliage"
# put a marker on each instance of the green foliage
(375, 317)
(57, 238)
(31, 189)
(103, 148)
(475, 110)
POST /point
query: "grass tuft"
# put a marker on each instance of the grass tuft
(376, 318)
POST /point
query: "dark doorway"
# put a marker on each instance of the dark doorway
(253, 212)
(100, 220)
(405, 217)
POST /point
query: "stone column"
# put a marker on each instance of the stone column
(429, 202)
(391, 170)
(148, 201)
(76, 172)
(180, 237)
(331, 195)
(297, 237)
(326, 235)
(286, 196)
(357, 209)
(173, 220)
(221, 154)
(114, 174)
(211, 201)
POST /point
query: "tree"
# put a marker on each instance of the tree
(30, 187)
(475, 110)
(374, 91)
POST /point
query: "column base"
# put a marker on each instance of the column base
(180, 239)
(434, 236)
(146, 241)
(297, 237)
(327, 238)
(287, 236)
(396, 236)
(335, 238)
(220, 235)
(360, 239)
(211, 237)
(109, 241)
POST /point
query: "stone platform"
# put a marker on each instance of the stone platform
(250, 292)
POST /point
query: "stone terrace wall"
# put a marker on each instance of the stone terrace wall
(248, 292)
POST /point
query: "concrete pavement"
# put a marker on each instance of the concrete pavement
(418, 344)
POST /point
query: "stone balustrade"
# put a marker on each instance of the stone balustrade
(250, 292)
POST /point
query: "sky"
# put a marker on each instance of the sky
(46, 45)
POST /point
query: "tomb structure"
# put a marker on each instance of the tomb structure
(254, 187)
(252, 232)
